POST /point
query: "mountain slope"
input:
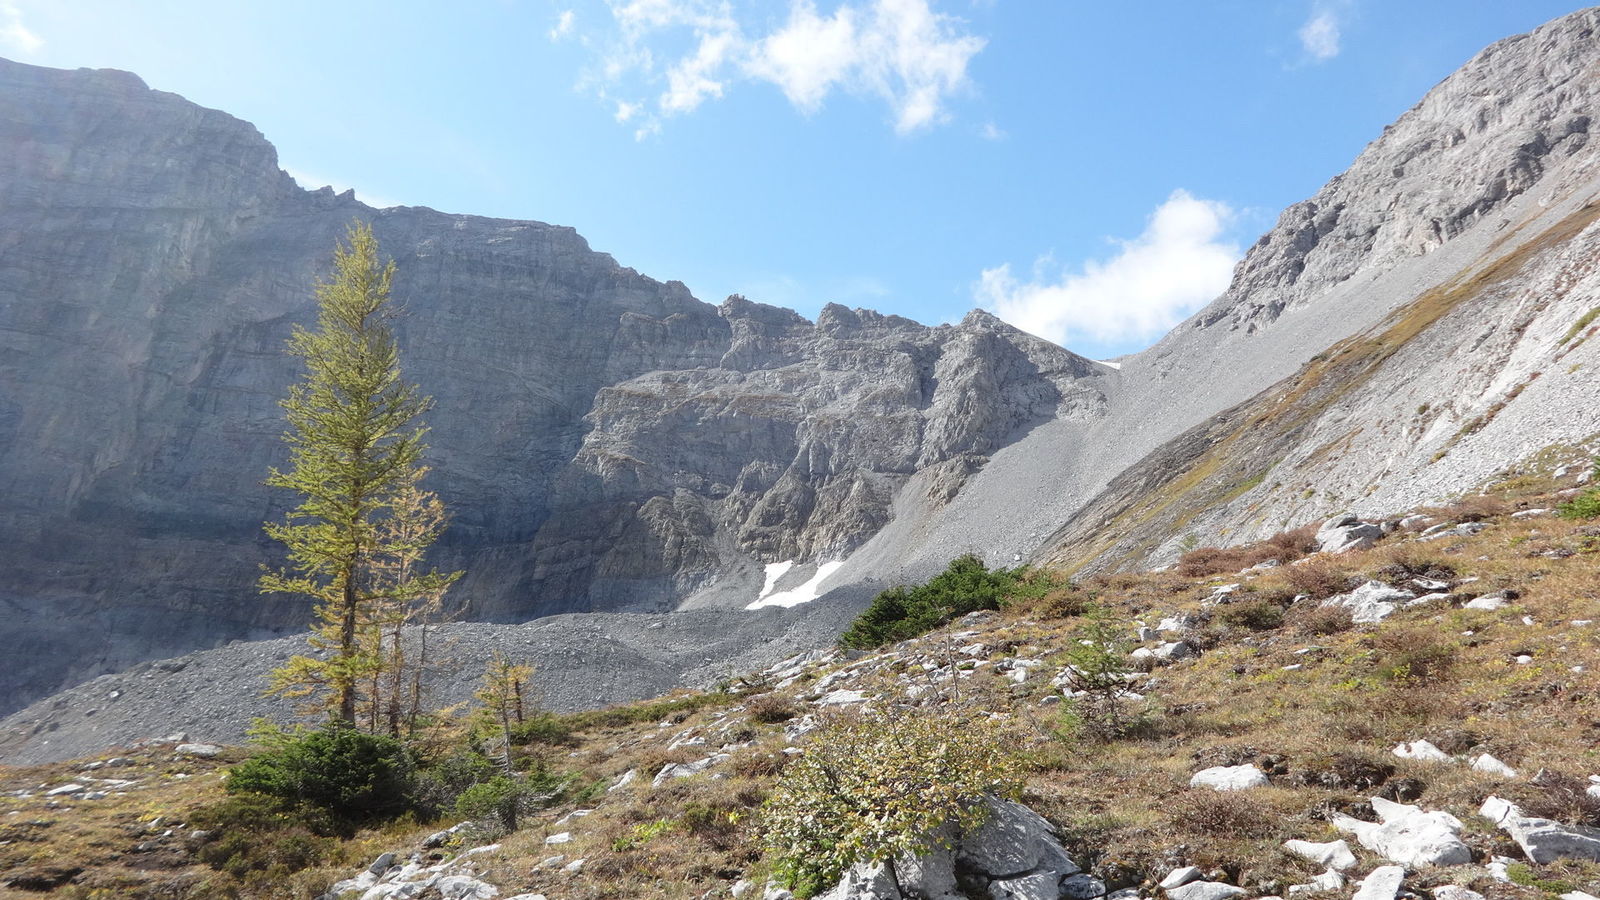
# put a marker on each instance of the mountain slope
(1493, 164)
(604, 441)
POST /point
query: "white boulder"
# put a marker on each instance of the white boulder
(1409, 835)
(1334, 855)
(1229, 778)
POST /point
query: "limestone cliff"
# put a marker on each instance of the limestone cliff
(605, 441)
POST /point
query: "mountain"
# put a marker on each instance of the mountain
(604, 441)
(611, 445)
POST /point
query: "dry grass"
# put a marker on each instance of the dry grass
(1316, 700)
(1285, 547)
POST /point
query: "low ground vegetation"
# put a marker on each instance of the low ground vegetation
(1280, 680)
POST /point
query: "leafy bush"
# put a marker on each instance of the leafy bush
(871, 789)
(1226, 814)
(504, 799)
(899, 613)
(1413, 655)
(1583, 506)
(542, 728)
(439, 784)
(257, 833)
(344, 772)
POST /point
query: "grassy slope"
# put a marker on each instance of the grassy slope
(1438, 672)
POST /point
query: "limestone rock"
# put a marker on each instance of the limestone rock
(1382, 883)
(1345, 533)
(1334, 855)
(1422, 750)
(1229, 778)
(1371, 602)
(1409, 835)
(1205, 890)
(1543, 840)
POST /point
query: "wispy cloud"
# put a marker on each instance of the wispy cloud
(1321, 34)
(669, 57)
(992, 132)
(1178, 264)
(563, 26)
(15, 37)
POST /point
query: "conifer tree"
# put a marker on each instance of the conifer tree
(355, 444)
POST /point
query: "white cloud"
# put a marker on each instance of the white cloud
(992, 132)
(563, 26)
(1319, 36)
(686, 52)
(14, 35)
(1177, 265)
(626, 110)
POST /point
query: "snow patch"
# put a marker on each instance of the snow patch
(805, 593)
(774, 572)
(1109, 365)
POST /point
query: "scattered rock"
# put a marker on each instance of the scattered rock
(1206, 890)
(685, 770)
(1180, 876)
(1383, 883)
(1229, 778)
(1422, 750)
(1542, 840)
(204, 751)
(1409, 835)
(1371, 602)
(1343, 534)
(1330, 880)
(1487, 763)
(1334, 855)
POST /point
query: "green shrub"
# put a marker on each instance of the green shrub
(438, 785)
(906, 612)
(1097, 673)
(257, 833)
(1584, 506)
(542, 728)
(347, 773)
(504, 799)
(871, 789)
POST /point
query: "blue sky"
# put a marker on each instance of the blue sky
(1089, 170)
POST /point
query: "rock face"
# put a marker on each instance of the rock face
(604, 441)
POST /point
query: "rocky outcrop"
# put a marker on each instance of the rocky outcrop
(604, 441)
(1014, 854)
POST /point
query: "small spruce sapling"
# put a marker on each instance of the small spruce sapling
(1097, 675)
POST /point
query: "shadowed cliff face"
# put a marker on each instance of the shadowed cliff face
(604, 441)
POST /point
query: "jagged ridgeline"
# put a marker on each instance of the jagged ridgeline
(609, 444)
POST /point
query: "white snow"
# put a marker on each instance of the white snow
(1109, 365)
(795, 596)
(774, 572)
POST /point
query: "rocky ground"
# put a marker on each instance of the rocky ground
(1407, 712)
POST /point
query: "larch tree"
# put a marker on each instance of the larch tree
(355, 541)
